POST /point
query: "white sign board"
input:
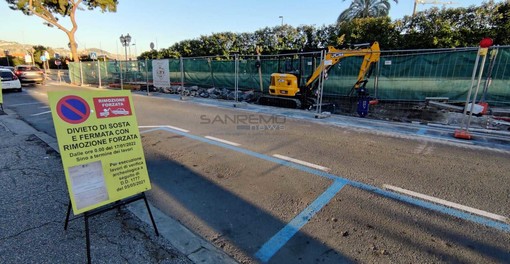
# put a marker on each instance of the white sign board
(161, 73)
(28, 59)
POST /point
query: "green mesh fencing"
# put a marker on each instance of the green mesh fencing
(415, 77)
(74, 73)
(400, 75)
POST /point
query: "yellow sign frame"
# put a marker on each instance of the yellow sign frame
(100, 147)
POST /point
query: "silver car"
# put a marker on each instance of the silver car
(29, 74)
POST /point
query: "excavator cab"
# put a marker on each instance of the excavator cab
(287, 90)
(287, 81)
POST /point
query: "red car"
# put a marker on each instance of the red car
(29, 74)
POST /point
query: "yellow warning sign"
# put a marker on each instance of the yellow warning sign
(100, 147)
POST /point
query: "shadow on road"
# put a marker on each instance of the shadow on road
(242, 226)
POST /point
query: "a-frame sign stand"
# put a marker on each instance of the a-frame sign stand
(102, 153)
(100, 210)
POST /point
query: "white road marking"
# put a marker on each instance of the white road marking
(223, 141)
(41, 113)
(420, 148)
(449, 204)
(424, 149)
(39, 93)
(308, 164)
(172, 127)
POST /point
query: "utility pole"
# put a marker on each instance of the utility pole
(434, 2)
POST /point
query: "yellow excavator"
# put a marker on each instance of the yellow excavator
(286, 90)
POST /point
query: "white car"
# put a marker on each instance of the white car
(10, 80)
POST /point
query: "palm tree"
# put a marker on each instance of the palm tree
(365, 8)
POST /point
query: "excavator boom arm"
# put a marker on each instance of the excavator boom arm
(333, 56)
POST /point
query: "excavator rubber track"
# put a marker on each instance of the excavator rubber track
(279, 101)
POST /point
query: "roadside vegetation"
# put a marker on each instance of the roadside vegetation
(364, 21)
(431, 28)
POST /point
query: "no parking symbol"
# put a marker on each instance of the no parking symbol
(73, 109)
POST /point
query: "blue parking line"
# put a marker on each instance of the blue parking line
(281, 238)
(432, 206)
(275, 243)
(422, 131)
(403, 198)
(254, 154)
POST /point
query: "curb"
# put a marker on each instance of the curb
(194, 247)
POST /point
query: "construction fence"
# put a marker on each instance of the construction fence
(402, 77)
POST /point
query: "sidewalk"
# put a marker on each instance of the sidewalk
(33, 202)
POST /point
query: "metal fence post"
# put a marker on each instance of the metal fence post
(81, 74)
(209, 62)
(121, 81)
(147, 74)
(99, 72)
(182, 72)
(376, 79)
(236, 73)
(106, 68)
(321, 84)
(476, 91)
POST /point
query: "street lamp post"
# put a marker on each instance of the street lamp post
(124, 40)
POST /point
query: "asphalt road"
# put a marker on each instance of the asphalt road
(222, 172)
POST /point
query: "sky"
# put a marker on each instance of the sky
(165, 22)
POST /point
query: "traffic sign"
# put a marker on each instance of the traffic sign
(58, 62)
(73, 109)
(102, 157)
(43, 58)
(93, 55)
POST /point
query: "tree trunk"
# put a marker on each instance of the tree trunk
(74, 49)
(48, 17)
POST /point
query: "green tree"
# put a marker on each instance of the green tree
(455, 27)
(502, 24)
(431, 28)
(38, 52)
(368, 30)
(365, 8)
(51, 10)
(151, 54)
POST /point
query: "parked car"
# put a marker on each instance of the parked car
(7, 67)
(29, 74)
(10, 80)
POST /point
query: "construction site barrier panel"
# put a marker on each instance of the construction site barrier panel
(405, 76)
